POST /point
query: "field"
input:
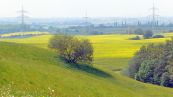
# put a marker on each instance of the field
(22, 35)
(29, 68)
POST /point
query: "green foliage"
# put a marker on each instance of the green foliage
(145, 73)
(148, 34)
(72, 49)
(158, 36)
(167, 79)
(135, 38)
(154, 64)
(44, 75)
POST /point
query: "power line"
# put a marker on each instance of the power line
(86, 18)
(22, 15)
(86, 22)
(154, 21)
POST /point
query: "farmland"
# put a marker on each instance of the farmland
(29, 67)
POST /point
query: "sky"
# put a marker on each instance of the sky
(78, 8)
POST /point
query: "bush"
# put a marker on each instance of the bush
(153, 64)
(145, 72)
(72, 49)
(135, 38)
(158, 36)
(148, 34)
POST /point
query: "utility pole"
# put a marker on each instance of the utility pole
(154, 16)
(138, 23)
(86, 23)
(115, 24)
(22, 16)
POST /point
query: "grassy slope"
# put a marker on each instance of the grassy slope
(31, 68)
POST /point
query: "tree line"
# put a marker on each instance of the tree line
(153, 64)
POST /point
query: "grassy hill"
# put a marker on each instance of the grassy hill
(29, 68)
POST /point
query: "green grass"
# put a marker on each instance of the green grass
(28, 67)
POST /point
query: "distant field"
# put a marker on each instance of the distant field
(30, 68)
(17, 34)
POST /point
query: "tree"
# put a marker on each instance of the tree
(135, 38)
(72, 49)
(84, 51)
(148, 34)
(153, 64)
(139, 31)
(158, 36)
(165, 79)
(145, 73)
(137, 60)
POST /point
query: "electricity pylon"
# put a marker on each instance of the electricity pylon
(22, 16)
(154, 21)
(86, 23)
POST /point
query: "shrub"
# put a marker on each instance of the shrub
(72, 49)
(158, 36)
(148, 34)
(145, 73)
(153, 64)
(165, 79)
(135, 38)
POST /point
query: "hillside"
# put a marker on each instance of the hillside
(29, 68)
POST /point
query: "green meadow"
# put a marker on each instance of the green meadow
(28, 68)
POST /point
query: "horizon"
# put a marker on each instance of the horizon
(79, 8)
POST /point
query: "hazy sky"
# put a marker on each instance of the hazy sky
(77, 8)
